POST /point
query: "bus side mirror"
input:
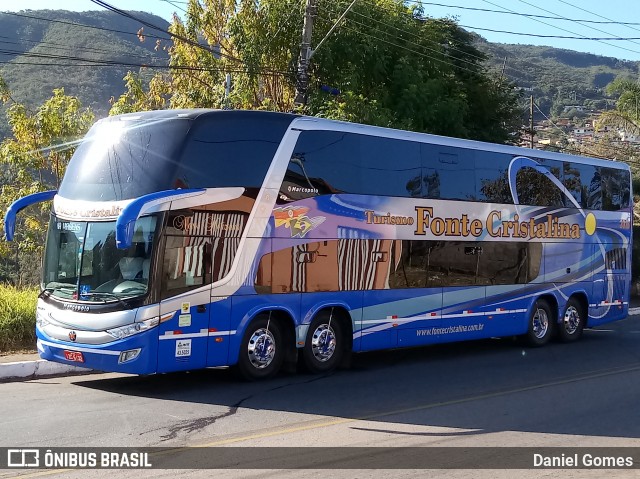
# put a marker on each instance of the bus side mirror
(19, 204)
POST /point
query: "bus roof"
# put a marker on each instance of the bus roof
(314, 123)
(194, 113)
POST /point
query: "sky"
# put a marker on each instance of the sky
(576, 11)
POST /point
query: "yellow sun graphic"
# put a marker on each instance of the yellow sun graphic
(590, 224)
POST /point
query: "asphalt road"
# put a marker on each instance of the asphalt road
(483, 393)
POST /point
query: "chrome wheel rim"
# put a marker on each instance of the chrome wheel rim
(540, 323)
(323, 343)
(571, 320)
(261, 348)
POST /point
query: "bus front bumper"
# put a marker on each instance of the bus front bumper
(137, 354)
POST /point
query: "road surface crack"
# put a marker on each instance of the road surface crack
(193, 425)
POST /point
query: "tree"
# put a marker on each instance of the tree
(35, 158)
(137, 99)
(389, 65)
(626, 115)
(610, 147)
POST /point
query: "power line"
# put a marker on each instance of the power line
(415, 18)
(528, 14)
(414, 44)
(417, 36)
(420, 19)
(285, 22)
(588, 26)
(156, 27)
(173, 35)
(116, 62)
(510, 75)
(412, 51)
(109, 63)
(83, 25)
(52, 56)
(444, 54)
(626, 24)
(60, 46)
(599, 39)
(559, 28)
(173, 4)
(103, 64)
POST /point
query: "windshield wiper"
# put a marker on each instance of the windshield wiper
(57, 286)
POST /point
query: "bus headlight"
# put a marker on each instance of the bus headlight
(135, 328)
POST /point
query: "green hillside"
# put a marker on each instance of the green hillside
(558, 77)
(45, 49)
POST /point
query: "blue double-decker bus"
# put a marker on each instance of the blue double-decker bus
(187, 239)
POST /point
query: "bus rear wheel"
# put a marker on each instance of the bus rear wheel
(540, 324)
(572, 323)
(324, 345)
(262, 349)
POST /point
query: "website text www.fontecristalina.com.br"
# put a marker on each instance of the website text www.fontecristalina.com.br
(450, 330)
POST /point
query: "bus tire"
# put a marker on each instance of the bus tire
(262, 349)
(572, 321)
(324, 345)
(540, 324)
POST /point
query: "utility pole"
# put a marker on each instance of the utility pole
(531, 120)
(227, 91)
(302, 79)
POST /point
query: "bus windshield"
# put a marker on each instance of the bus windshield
(82, 262)
(124, 159)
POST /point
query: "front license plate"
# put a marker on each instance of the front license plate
(74, 356)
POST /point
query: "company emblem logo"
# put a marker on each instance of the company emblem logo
(72, 335)
(296, 220)
(23, 458)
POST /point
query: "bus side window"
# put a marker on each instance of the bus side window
(390, 167)
(448, 173)
(186, 264)
(200, 248)
(509, 262)
(615, 189)
(328, 162)
(492, 182)
(577, 179)
(323, 162)
(536, 189)
(297, 184)
(416, 264)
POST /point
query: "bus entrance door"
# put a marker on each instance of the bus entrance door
(183, 336)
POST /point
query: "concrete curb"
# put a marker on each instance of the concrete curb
(34, 369)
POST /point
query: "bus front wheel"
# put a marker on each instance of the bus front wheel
(262, 349)
(540, 324)
(572, 323)
(324, 345)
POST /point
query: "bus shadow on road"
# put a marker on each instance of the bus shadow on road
(586, 388)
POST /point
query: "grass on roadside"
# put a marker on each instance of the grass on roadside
(17, 318)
